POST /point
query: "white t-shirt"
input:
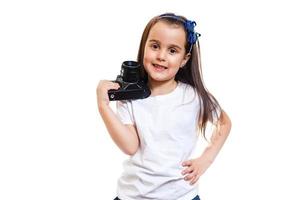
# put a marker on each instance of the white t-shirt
(167, 129)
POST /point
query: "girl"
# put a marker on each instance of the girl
(160, 132)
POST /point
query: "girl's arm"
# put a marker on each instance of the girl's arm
(196, 167)
(125, 136)
(218, 137)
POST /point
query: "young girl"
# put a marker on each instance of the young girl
(160, 132)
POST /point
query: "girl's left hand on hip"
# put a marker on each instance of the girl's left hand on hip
(194, 169)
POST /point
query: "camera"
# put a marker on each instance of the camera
(131, 84)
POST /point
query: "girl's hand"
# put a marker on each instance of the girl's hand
(102, 90)
(195, 168)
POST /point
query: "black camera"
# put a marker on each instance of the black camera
(131, 84)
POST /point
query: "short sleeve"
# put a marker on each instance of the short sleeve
(124, 112)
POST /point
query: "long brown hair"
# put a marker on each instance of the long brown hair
(190, 74)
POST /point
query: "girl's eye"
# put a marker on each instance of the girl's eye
(154, 46)
(173, 51)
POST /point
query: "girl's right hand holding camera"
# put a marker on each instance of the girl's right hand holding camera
(102, 90)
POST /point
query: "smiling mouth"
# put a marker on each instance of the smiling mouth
(159, 66)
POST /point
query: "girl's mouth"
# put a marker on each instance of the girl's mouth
(159, 67)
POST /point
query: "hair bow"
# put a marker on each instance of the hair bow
(192, 36)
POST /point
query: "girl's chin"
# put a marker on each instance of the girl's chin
(158, 78)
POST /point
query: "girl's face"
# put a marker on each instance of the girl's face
(164, 51)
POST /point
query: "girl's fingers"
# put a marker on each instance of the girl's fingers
(188, 170)
(186, 163)
(190, 176)
(108, 85)
(194, 179)
(117, 86)
(114, 85)
(193, 176)
(187, 178)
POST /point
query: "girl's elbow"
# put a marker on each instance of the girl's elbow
(132, 150)
(225, 121)
(228, 123)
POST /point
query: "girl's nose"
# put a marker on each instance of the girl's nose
(161, 55)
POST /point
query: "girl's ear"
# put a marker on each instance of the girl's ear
(185, 59)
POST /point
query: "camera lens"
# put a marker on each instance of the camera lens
(130, 71)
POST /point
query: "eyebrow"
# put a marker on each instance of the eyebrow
(171, 45)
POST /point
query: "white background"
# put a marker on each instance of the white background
(53, 144)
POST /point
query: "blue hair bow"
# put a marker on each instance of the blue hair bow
(192, 36)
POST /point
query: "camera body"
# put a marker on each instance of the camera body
(131, 84)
